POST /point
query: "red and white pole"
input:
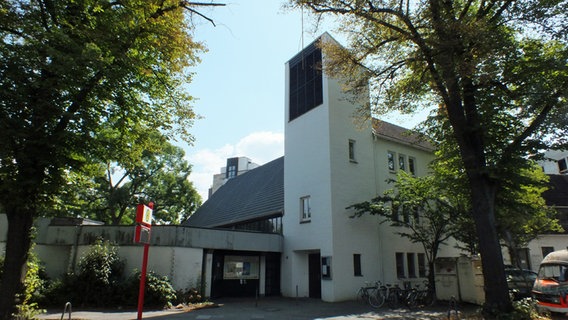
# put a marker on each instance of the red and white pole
(143, 274)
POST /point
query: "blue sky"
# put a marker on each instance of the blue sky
(239, 84)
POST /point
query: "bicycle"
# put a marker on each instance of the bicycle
(393, 294)
(369, 295)
(424, 298)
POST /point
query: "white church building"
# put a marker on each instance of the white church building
(332, 159)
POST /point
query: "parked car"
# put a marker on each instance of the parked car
(520, 282)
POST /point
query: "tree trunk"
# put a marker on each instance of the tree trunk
(496, 290)
(17, 248)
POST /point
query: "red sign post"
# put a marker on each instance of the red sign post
(142, 235)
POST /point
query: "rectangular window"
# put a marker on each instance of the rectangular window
(411, 265)
(412, 166)
(416, 215)
(390, 159)
(546, 250)
(402, 162)
(421, 265)
(400, 265)
(352, 151)
(405, 215)
(562, 168)
(305, 210)
(305, 81)
(241, 267)
(231, 172)
(357, 265)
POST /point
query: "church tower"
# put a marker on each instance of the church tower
(328, 166)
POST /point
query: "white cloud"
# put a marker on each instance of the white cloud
(260, 147)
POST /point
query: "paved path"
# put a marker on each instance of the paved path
(270, 309)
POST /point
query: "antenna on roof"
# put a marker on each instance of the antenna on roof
(302, 27)
(302, 34)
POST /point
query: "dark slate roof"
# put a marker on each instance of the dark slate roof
(255, 194)
(557, 195)
(399, 134)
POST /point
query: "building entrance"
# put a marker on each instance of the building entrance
(314, 269)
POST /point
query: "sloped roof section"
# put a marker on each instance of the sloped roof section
(255, 194)
(392, 132)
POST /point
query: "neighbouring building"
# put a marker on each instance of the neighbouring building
(235, 166)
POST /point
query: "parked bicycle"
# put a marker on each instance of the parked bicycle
(369, 294)
(424, 297)
(409, 297)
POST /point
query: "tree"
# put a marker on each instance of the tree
(109, 190)
(416, 207)
(496, 69)
(521, 211)
(68, 68)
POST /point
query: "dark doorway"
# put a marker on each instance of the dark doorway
(272, 286)
(314, 269)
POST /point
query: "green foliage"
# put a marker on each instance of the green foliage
(99, 274)
(99, 282)
(71, 69)
(524, 309)
(159, 291)
(110, 190)
(34, 282)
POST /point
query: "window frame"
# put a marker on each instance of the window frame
(400, 267)
(562, 166)
(411, 263)
(412, 165)
(401, 162)
(546, 250)
(351, 151)
(391, 164)
(305, 209)
(421, 259)
(357, 270)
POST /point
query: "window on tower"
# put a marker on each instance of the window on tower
(306, 89)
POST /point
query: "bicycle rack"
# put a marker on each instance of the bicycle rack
(68, 304)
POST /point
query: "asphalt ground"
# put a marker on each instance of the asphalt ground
(273, 308)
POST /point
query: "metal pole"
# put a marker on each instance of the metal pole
(142, 281)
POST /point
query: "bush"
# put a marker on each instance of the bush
(158, 290)
(34, 286)
(99, 283)
(190, 296)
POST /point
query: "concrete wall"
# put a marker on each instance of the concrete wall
(176, 252)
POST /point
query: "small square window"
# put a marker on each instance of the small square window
(305, 210)
(546, 250)
(390, 160)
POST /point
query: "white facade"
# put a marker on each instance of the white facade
(319, 165)
(555, 162)
(240, 166)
